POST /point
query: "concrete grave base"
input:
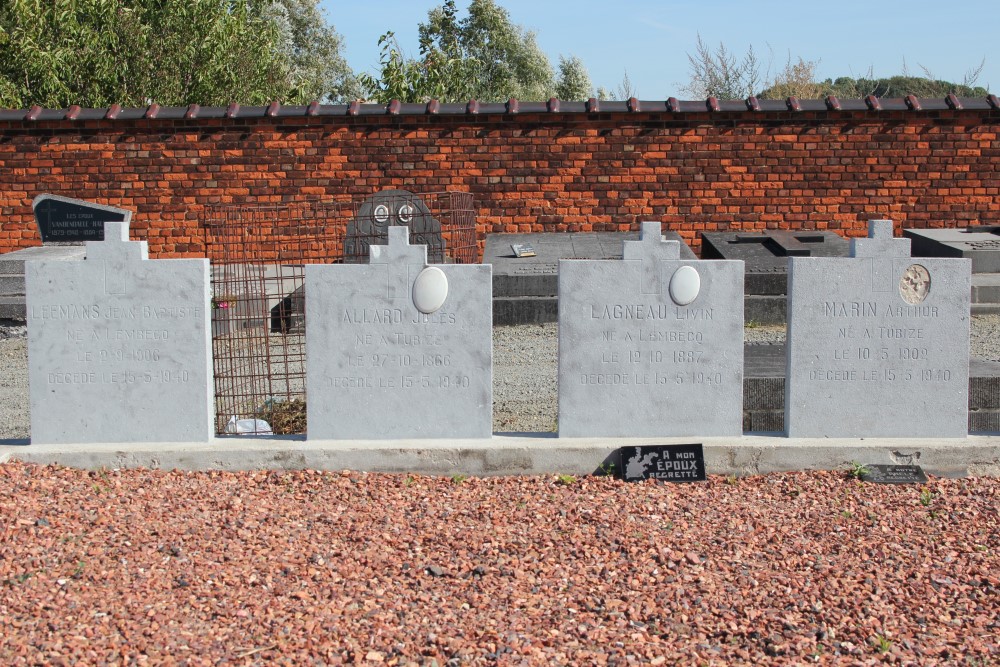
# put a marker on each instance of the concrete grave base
(519, 454)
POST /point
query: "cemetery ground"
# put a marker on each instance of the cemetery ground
(308, 567)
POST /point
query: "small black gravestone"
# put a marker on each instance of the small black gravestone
(66, 220)
(390, 208)
(667, 463)
(891, 474)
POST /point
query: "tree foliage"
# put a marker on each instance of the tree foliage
(573, 82)
(483, 56)
(316, 67)
(55, 53)
(722, 74)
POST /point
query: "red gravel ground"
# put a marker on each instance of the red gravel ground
(307, 568)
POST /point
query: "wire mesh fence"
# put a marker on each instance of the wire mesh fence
(258, 255)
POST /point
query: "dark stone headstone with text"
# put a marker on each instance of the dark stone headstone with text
(392, 208)
(66, 220)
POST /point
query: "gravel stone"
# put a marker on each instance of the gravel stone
(306, 567)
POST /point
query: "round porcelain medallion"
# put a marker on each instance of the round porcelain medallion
(685, 285)
(430, 290)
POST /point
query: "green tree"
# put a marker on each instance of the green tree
(483, 56)
(210, 52)
(574, 81)
(55, 53)
(797, 79)
(722, 74)
(317, 69)
(900, 86)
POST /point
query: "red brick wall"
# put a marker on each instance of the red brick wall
(528, 173)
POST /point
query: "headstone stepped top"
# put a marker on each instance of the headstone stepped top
(878, 343)
(118, 345)
(650, 345)
(398, 348)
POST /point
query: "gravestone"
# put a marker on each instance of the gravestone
(118, 346)
(399, 349)
(392, 208)
(878, 343)
(650, 345)
(66, 220)
(766, 260)
(64, 224)
(981, 244)
(525, 288)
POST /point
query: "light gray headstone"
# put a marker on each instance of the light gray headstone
(650, 345)
(118, 346)
(878, 343)
(398, 349)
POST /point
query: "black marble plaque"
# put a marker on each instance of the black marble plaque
(65, 220)
(667, 463)
(891, 474)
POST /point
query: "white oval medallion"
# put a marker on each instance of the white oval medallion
(685, 285)
(430, 290)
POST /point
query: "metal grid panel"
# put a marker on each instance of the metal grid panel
(258, 255)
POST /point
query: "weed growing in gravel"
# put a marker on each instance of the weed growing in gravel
(607, 469)
(78, 570)
(846, 514)
(857, 470)
(410, 479)
(457, 479)
(731, 480)
(565, 480)
(926, 496)
(882, 644)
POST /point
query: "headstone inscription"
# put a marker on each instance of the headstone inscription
(650, 345)
(397, 348)
(878, 343)
(66, 220)
(118, 346)
(893, 474)
(666, 463)
(392, 208)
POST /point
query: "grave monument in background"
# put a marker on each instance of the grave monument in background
(525, 287)
(392, 208)
(766, 255)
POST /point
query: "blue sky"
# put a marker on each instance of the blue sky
(650, 40)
